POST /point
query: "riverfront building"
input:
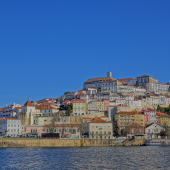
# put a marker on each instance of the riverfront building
(125, 119)
(10, 127)
(100, 128)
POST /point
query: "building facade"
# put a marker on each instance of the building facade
(100, 129)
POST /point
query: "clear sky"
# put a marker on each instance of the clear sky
(49, 47)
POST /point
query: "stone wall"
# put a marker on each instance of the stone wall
(55, 142)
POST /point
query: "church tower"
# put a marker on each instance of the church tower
(109, 74)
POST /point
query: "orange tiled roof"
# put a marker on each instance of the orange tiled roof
(144, 75)
(97, 120)
(161, 114)
(79, 100)
(130, 113)
(92, 87)
(18, 107)
(135, 124)
(9, 119)
(44, 107)
(101, 79)
(126, 79)
(28, 103)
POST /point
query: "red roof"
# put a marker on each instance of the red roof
(101, 79)
(97, 120)
(1, 109)
(9, 119)
(104, 117)
(144, 75)
(135, 124)
(44, 107)
(126, 79)
(79, 100)
(28, 103)
(161, 114)
(149, 109)
(18, 107)
(89, 87)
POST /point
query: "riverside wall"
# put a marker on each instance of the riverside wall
(18, 143)
(7, 143)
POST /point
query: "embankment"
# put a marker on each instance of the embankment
(7, 143)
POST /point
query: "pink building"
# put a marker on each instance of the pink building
(33, 131)
(105, 104)
(147, 117)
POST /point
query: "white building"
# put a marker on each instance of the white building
(153, 130)
(102, 95)
(10, 111)
(10, 127)
(152, 87)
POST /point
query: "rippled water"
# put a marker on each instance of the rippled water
(133, 158)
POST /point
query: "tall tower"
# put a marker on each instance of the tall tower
(109, 74)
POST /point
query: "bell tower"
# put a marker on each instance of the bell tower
(109, 74)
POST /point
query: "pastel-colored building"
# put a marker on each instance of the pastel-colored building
(100, 129)
(10, 127)
(79, 107)
(123, 119)
(162, 118)
(35, 131)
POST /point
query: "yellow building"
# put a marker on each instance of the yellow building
(124, 119)
(162, 118)
(100, 105)
(79, 107)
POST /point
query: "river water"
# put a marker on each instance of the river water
(133, 158)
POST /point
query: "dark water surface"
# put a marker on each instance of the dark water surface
(133, 158)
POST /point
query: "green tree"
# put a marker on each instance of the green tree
(68, 111)
(67, 92)
(158, 108)
(165, 131)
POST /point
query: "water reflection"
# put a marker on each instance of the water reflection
(133, 158)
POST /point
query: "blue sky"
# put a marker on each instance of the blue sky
(49, 47)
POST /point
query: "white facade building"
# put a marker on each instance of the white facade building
(10, 127)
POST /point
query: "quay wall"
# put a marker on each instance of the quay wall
(6, 143)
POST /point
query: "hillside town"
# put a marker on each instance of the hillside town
(105, 108)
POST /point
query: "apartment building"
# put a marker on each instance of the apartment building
(162, 118)
(152, 87)
(100, 105)
(10, 127)
(92, 107)
(79, 107)
(100, 129)
(150, 115)
(124, 119)
(97, 82)
(143, 80)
